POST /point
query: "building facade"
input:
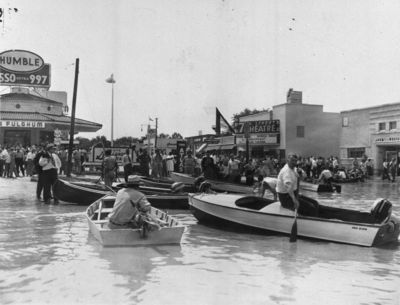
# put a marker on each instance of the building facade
(294, 127)
(372, 132)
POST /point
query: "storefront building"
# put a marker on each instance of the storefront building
(30, 114)
(292, 127)
(371, 132)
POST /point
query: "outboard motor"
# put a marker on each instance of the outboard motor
(177, 187)
(381, 210)
(198, 181)
(205, 187)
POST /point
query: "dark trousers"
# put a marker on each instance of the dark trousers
(19, 163)
(39, 186)
(49, 178)
(286, 201)
(1, 168)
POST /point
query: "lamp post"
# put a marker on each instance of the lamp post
(111, 81)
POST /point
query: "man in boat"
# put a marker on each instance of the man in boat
(287, 188)
(131, 208)
(326, 176)
(287, 184)
(269, 183)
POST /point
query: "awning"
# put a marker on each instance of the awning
(58, 121)
(201, 148)
(227, 146)
(212, 147)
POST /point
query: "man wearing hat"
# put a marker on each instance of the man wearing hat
(130, 206)
(50, 163)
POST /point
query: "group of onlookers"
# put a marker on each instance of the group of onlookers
(390, 169)
(18, 161)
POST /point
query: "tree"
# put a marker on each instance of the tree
(176, 135)
(245, 112)
(163, 136)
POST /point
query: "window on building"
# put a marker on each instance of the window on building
(392, 125)
(356, 152)
(345, 121)
(300, 132)
(382, 126)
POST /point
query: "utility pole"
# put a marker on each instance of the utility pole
(155, 139)
(72, 127)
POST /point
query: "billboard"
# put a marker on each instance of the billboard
(23, 68)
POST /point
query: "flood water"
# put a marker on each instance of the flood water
(47, 256)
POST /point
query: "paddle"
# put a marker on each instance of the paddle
(293, 233)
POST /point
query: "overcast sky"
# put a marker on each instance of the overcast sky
(179, 59)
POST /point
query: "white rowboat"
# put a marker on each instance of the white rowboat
(96, 215)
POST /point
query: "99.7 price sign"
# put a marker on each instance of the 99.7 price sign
(39, 78)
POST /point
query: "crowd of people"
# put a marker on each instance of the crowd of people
(18, 161)
(233, 167)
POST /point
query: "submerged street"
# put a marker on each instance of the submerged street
(47, 256)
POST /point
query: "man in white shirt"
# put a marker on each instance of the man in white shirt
(287, 184)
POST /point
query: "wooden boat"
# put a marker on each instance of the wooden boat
(164, 183)
(320, 188)
(328, 223)
(84, 193)
(96, 215)
(216, 185)
(184, 178)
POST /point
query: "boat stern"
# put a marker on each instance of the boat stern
(388, 232)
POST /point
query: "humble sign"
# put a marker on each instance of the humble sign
(19, 67)
(22, 124)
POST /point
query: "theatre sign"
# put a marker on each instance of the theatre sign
(23, 68)
(265, 132)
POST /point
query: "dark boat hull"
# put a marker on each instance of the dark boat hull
(86, 193)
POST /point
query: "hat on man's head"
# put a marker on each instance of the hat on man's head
(133, 181)
(50, 145)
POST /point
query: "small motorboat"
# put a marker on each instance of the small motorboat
(320, 188)
(216, 185)
(170, 232)
(164, 183)
(85, 193)
(82, 193)
(334, 224)
(184, 178)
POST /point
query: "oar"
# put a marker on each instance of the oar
(293, 233)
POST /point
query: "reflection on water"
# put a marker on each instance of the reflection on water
(48, 256)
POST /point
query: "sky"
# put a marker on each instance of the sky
(178, 60)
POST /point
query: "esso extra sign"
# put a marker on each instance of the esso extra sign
(20, 61)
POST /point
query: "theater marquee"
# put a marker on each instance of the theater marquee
(22, 124)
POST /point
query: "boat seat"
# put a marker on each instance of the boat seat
(104, 210)
(253, 202)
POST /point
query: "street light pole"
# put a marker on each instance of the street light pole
(111, 81)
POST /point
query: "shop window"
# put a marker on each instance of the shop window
(357, 152)
(300, 132)
(382, 126)
(345, 121)
(392, 125)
